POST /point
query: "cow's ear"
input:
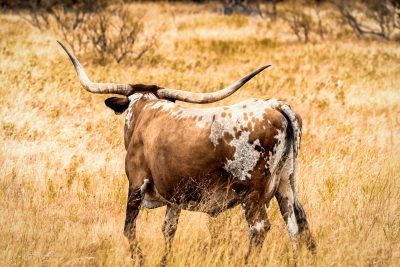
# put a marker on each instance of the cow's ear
(118, 104)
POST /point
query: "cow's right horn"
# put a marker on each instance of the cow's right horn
(201, 98)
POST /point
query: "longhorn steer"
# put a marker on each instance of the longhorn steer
(209, 159)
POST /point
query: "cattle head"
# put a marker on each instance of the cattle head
(119, 105)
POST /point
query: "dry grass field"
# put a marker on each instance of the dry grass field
(62, 183)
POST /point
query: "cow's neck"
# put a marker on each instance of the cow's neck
(136, 104)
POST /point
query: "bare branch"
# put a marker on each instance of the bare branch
(300, 23)
(112, 32)
(381, 13)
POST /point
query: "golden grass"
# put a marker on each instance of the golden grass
(63, 188)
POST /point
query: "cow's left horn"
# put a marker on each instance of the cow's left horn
(101, 88)
(201, 98)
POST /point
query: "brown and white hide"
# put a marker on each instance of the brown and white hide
(212, 159)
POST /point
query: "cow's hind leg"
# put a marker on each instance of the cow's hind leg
(293, 213)
(169, 228)
(257, 220)
(305, 235)
(132, 211)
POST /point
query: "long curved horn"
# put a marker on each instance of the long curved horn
(98, 88)
(201, 98)
(128, 89)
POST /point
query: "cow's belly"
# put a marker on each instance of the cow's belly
(210, 195)
(212, 204)
(152, 202)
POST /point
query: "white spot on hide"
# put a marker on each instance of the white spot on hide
(276, 155)
(274, 103)
(257, 226)
(245, 157)
(132, 100)
(144, 185)
(234, 117)
(292, 226)
(163, 104)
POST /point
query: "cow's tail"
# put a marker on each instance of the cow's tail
(293, 139)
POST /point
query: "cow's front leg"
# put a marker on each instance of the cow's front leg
(132, 211)
(258, 223)
(169, 228)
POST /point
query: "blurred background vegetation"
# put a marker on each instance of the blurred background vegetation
(108, 28)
